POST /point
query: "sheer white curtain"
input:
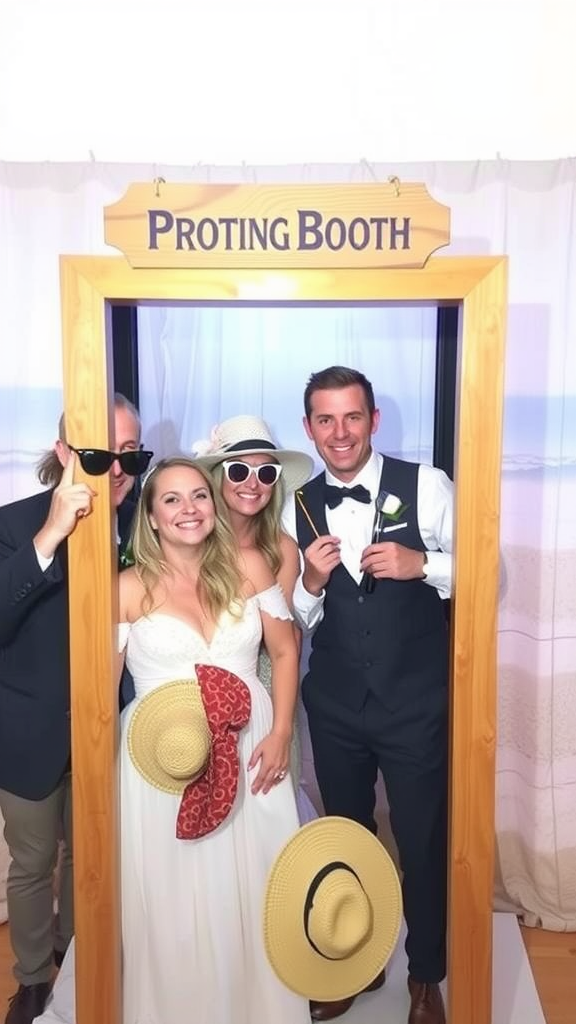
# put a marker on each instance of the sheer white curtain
(523, 209)
(198, 365)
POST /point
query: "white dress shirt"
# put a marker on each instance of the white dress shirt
(352, 522)
(43, 562)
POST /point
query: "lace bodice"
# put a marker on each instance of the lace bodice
(162, 647)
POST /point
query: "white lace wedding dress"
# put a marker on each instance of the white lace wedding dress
(193, 950)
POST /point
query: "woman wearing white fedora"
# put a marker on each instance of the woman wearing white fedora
(254, 476)
(206, 803)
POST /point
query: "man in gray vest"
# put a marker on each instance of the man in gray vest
(376, 537)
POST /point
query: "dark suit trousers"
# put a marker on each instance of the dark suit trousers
(409, 746)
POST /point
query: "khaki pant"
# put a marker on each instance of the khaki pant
(33, 830)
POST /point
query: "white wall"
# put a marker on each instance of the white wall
(261, 81)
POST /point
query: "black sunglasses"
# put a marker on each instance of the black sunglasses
(97, 461)
(238, 472)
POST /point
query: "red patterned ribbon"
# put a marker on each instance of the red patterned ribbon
(208, 800)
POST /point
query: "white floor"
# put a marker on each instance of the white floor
(514, 996)
(514, 1001)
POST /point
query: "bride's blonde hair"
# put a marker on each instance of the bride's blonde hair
(219, 579)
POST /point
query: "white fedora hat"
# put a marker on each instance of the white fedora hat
(250, 435)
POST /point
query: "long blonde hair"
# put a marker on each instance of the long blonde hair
(267, 526)
(219, 580)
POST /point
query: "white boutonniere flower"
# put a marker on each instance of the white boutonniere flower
(393, 508)
(391, 504)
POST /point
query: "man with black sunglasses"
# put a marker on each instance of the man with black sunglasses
(35, 787)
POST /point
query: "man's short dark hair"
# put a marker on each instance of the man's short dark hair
(334, 377)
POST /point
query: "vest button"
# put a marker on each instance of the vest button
(368, 664)
(361, 599)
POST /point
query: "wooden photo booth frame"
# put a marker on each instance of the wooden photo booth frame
(90, 285)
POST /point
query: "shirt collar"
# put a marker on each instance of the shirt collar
(369, 476)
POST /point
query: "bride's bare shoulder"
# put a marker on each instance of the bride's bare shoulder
(131, 594)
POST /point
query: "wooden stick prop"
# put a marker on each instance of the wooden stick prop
(300, 501)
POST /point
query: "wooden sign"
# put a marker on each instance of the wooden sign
(277, 226)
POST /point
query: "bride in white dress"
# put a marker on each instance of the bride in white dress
(192, 909)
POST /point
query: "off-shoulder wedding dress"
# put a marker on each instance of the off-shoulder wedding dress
(193, 950)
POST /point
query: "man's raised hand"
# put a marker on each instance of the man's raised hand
(70, 502)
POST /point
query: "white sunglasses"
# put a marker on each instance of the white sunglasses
(238, 472)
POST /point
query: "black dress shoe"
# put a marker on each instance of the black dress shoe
(28, 1002)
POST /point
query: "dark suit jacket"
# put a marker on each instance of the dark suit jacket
(34, 653)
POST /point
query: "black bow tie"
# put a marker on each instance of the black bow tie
(333, 495)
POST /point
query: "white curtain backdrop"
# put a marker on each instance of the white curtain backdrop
(199, 365)
(523, 209)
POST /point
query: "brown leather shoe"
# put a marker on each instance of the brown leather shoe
(329, 1011)
(426, 1003)
(28, 1002)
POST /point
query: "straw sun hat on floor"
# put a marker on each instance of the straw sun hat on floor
(333, 910)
